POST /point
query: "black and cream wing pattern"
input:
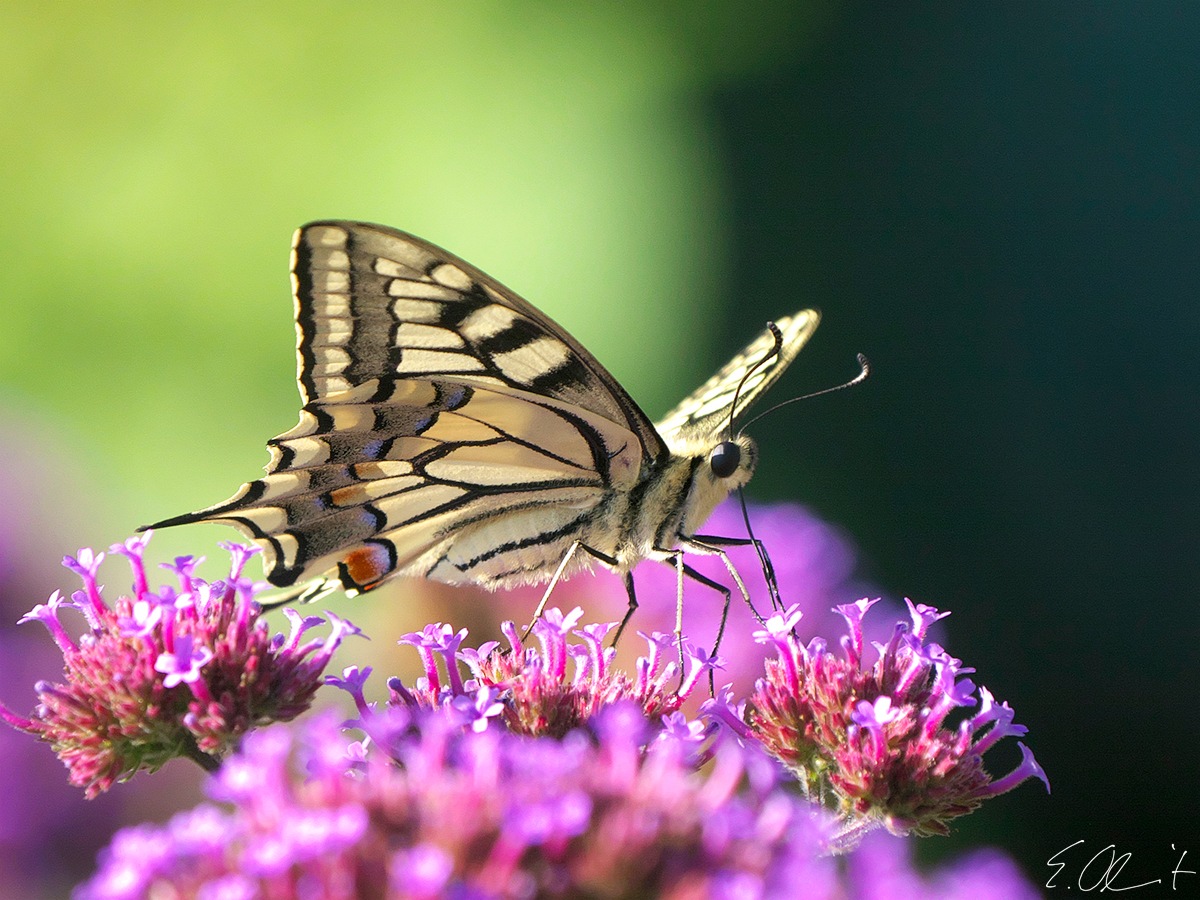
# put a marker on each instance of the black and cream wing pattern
(452, 430)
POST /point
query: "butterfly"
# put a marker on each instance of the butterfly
(453, 431)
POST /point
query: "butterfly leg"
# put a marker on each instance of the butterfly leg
(575, 547)
(708, 547)
(728, 594)
(711, 544)
(633, 604)
(682, 569)
(541, 607)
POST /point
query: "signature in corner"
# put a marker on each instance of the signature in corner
(1103, 870)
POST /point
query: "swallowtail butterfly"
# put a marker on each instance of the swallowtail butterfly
(451, 430)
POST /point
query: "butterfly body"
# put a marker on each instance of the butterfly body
(451, 430)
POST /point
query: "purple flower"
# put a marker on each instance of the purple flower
(874, 736)
(47, 614)
(166, 674)
(420, 871)
(874, 716)
(881, 869)
(480, 709)
(432, 642)
(352, 681)
(184, 665)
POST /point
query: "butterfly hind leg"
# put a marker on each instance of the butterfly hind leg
(609, 561)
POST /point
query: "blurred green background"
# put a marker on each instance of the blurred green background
(998, 206)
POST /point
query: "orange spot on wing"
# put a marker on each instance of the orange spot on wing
(367, 565)
(348, 495)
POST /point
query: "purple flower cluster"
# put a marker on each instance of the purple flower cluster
(503, 785)
(560, 686)
(440, 810)
(876, 735)
(872, 738)
(177, 671)
(536, 768)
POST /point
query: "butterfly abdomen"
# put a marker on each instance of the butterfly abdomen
(517, 548)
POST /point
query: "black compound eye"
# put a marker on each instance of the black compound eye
(725, 459)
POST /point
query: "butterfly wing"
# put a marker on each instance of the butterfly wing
(709, 408)
(449, 428)
(375, 302)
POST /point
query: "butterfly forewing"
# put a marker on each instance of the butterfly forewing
(373, 302)
(709, 408)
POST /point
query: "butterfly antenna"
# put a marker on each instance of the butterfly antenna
(766, 358)
(864, 370)
(764, 560)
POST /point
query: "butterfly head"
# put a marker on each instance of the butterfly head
(710, 471)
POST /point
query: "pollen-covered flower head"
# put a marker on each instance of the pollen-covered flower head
(548, 686)
(177, 670)
(878, 734)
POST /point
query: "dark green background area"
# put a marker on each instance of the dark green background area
(997, 204)
(1001, 207)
